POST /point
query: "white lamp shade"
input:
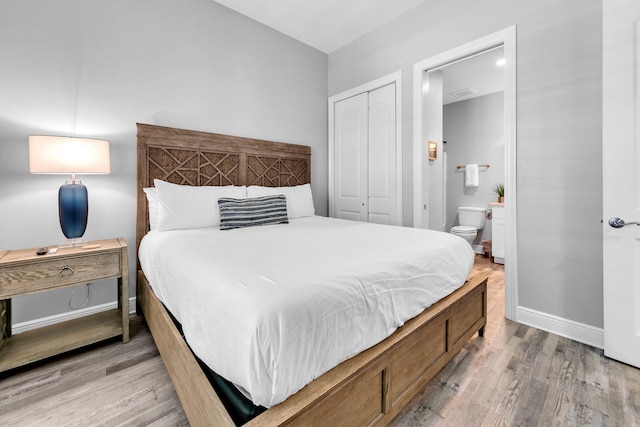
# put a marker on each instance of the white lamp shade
(61, 154)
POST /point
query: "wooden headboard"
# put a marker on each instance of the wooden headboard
(201, 158)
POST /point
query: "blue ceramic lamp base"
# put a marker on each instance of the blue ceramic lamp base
(73, 208)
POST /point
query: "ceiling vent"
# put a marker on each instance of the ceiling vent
(463, 93)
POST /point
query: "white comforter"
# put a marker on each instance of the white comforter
(271, 308)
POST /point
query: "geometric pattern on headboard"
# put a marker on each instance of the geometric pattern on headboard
(189, 167)
(275, 172)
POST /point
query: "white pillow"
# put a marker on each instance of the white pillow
(183, 206)
(152, 203)
(299, 198)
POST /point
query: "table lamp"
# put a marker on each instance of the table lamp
(66, 155)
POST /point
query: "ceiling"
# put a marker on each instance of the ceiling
(472, 77)
(326, 25)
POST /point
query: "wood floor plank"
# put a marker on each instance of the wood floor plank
(615, 395)
(174, 419)
(468, 415)
(542, 366)
(582, 415)
(514, 375)
(557, 360)
(591, 387)
(478, 371)
(25, 385)
(494, 420)
(534, 346)
(631, 395)
(529, 407)
(451, 393)
(570, 364)
(556, 408)
(497, 382)
(514, 393)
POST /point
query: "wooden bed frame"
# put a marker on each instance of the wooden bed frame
(369, 389)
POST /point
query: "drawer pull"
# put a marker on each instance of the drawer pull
(66, 271)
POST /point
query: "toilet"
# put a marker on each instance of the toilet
(471, 220)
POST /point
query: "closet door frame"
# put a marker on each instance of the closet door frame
(368, 87)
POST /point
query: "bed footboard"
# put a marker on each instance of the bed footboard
(368, 389)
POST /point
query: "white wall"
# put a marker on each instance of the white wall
(433, 131)
(474, 131)
(95, 68)
(559, 122)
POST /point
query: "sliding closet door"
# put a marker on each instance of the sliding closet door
(365, 157)
(351, 141)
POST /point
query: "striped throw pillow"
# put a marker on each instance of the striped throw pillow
(238, 213)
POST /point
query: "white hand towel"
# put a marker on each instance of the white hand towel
(471, 176)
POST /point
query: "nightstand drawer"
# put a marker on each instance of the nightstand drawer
(53, 273)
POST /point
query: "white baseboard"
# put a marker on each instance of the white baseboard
(576, 331)
(63, 317)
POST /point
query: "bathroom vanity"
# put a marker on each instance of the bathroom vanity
(497, 232)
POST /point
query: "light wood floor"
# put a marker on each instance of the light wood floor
(515, 375)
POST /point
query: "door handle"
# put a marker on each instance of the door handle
(616, 222)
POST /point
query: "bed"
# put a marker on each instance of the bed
(370, 388)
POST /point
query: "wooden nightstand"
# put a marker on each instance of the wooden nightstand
(23, 272)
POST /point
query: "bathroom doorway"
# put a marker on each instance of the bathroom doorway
(439, 166)
(473, 134)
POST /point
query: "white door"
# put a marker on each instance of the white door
(621, 179)
(351, 143)
(365, 187)
(382, 155)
